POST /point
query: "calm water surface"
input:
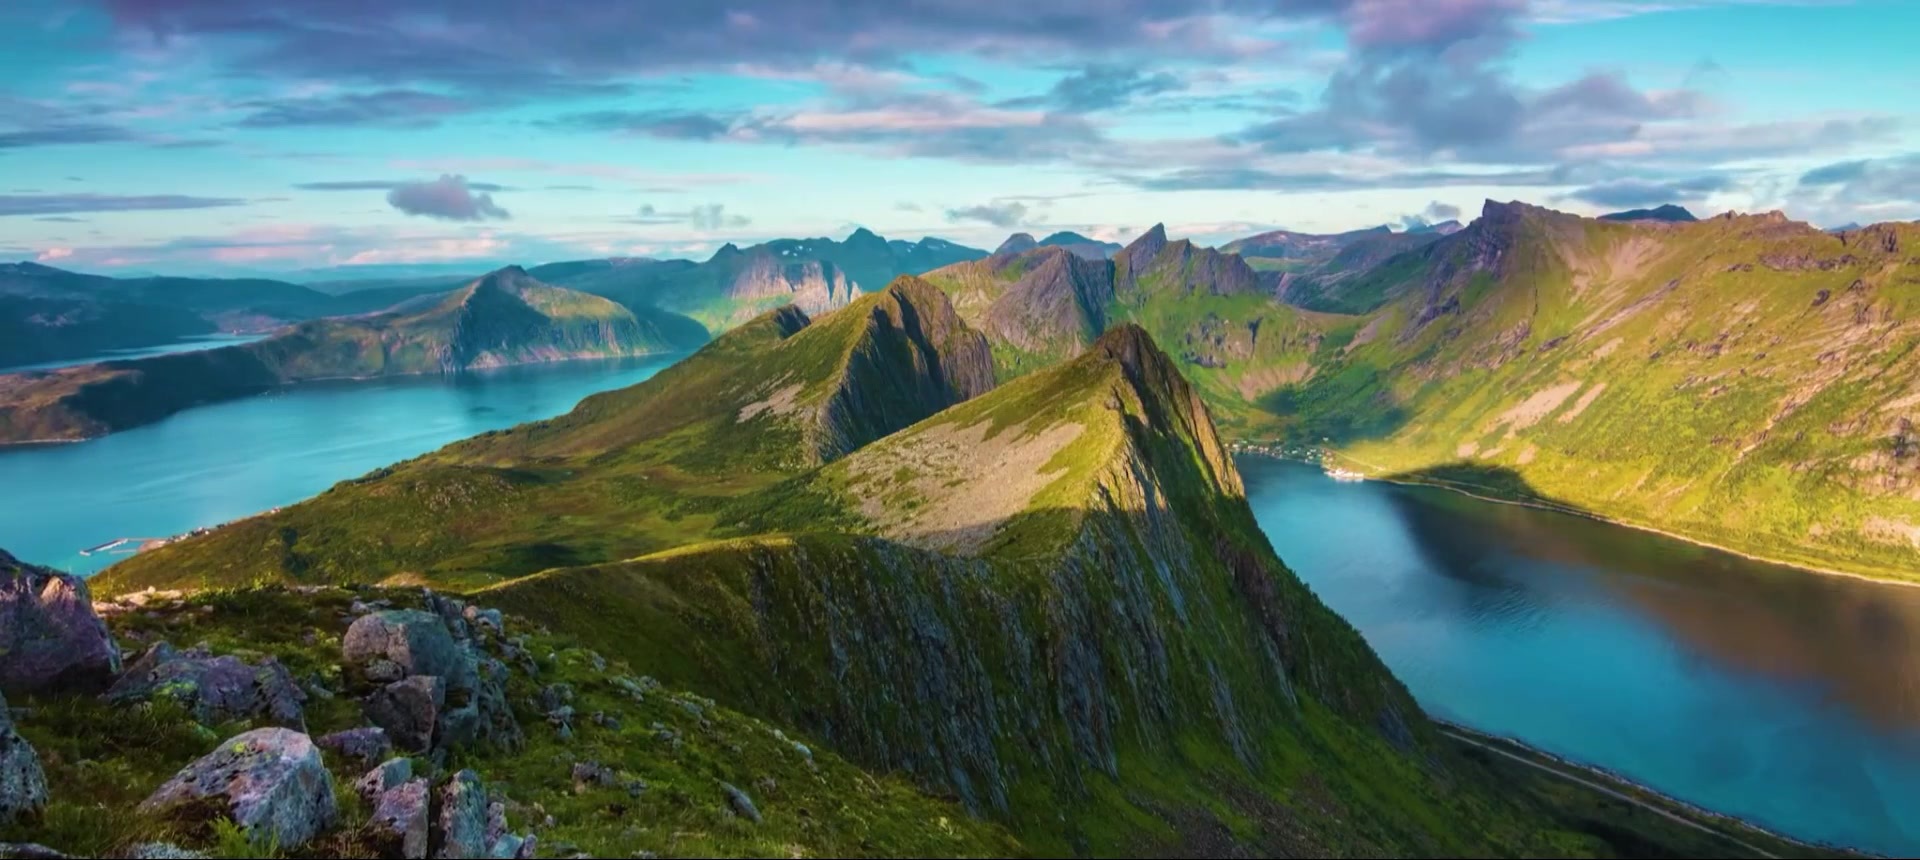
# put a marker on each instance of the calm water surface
(215, 463)
(187, 344)
(1785, 697)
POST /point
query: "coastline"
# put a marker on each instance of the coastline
(1468, 490)
(1654, 799)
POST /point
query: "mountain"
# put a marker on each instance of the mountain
(1289, 245)
(1666, 212)
(504, 318)
(1444, 228)
(736, 285)
(49, 314)
(1045, 603)
(1081, 246)
(1744, 380)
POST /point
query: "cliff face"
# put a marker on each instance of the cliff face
(502, 319)
(1153, 264)
(1061, 301)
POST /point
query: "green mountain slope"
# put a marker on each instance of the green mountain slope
(502, 319)
(1744, 380)
(626, 472)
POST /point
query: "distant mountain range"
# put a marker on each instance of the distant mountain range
(1668, 212)
(504, 318)
(1074, 243)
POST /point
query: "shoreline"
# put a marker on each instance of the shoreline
(1468, 491)
(1491, 741)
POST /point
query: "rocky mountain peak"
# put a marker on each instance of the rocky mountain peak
(1017, 243)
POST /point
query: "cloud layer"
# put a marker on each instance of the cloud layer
(449, 198)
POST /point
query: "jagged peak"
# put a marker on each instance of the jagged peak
(1016, 244)
(1155, 238)
(725, 251)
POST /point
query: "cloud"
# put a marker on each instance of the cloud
(1637, 193)
(906, 206)
(62, 219)
(1098, 87)
(706, 218)
(1865, 190)
(388, 185)
(1003, 215)
(1263, 179)
(53, 204)
(1838, 173)
(56, 135)
(394, 108)
(1435, 213)
(448, 198)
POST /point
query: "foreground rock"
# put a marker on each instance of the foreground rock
(23, 786)
(400, 819)
(49, 633)
(427, 683)
(474, 825)
(269, 781)
(215, 689)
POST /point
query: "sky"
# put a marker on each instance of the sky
(283, 136)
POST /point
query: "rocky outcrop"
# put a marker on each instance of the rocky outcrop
(1153, 263)
(913, 358)
(427, 683)
(270, 782)
(472, 824)
(23, 785)
(214, 689)
(50, 636)
(368, 743)
(399, 823)
(815, 286)
(1059, 305)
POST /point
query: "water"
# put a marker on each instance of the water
(187, 344)
(215, 463)
(1785, 697)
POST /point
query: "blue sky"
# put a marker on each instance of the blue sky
(206, 136)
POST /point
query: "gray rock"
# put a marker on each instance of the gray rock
(417, 642)
(486, 619)
(367, 743)
(162, 851)
(740, 803)
(49, 632)
(384, 778)
(383, 671)
(28, 851)
(269, 781)
(409, 710)
(399, 821)
(23, 785)
(215, 689)
(463, 817)
(592, 774)
(552, 696)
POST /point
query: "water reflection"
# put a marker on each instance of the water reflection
(1787, 697)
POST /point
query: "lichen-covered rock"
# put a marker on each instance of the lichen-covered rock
(417, 642)
(740, 803)
(23, 785)
(384, 778)
(463, 817)
(28, 851)
(161, 851)
(214, 689)
(49, 633)
(409, 710)
(367, 743)
(268, 781)
(399, 823)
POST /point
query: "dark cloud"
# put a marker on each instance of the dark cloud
(1001, 214)
(448, 198)
(708, 217)
(388, 185)
(62, 219)
(50, 204)
(1636, 193)
(1100, 87)
(56, 135)
(667, 124)
(395, 108)
(1836, 173)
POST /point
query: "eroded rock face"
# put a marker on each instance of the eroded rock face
(23, 786)
(269, 781)
(215, 689)
(49, 632)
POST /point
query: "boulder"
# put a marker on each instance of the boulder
(49, 632)
(161, 851)
(29, 851)
(463, 817)
(215, 689)
(399, 821)
(409, 710)
(740, 803)
(268, 781)
(384, 778)
(417, 642)
(23, 785)
(368, 743)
